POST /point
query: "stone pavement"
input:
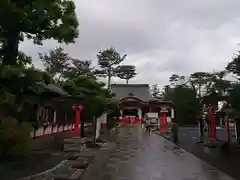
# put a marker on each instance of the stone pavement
(227, 162)
(139, 156)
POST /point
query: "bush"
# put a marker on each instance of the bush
(15, 140)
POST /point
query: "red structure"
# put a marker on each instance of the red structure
(78, 110)
(213, 123)
(163, 122)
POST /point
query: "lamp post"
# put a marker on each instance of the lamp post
(78, 110)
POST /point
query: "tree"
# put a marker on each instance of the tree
(156, 91)
(176, 79)
(234, 65)
(234, 100)
(79, 68)
(21, 60)
(108, 59)
(56, 62)
(200, 82)
(96, 97)
(20, 85)
(126, 72)
(36, 20)
(185, 102)
(218, 84)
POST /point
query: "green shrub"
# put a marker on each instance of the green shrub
(15, 140)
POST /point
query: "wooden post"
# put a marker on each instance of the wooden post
(94, 130)
(78, 110)
(213, 123)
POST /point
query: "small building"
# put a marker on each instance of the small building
(135, 100)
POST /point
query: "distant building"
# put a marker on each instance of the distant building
(136, 100)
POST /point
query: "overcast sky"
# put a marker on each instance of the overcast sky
(160, 37)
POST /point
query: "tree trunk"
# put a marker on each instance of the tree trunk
(10, 48)
(94, 130)
(109, 77)
(127, 81)
(237, 120)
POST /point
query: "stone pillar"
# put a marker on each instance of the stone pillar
(54, 116)
(172, 113)
(140, 114)
(121, 113)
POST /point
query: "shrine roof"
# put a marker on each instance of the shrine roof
(54, 88)
(140, 91)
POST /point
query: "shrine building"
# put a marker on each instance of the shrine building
(135, 100)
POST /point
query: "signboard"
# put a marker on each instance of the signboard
(98, 128)
(152, 118)
(103, 119)
(152, 115)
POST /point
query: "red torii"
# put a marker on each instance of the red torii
(78, 110)
(212, 123)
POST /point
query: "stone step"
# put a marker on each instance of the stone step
(82, 146)
(83, 154)
(74, 140)
(79, 164)
(75, 176)
(72, 149)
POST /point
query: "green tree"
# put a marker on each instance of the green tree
(56, 62)
(176, 79)
(108, 60)
(79, 68)
(218, 84)
(22, 59)
(185, 102)
(200, 82)
(156, 91)
(234, 65)
(95, 97)
(126, 72)
(37, 20)
(20, 85)
(234, 101)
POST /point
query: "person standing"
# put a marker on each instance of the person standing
(175, 129)
(148, 126)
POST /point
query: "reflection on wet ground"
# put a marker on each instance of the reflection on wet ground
(140, 156)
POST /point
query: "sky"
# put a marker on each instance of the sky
(160, 37)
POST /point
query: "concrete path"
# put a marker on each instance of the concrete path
(140, 156)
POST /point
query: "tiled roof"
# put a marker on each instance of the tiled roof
(54, 88)
(141, 91)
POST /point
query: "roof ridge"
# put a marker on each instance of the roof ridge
(130, 85)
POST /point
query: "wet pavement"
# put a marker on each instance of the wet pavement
(139, 156)
(226, 162)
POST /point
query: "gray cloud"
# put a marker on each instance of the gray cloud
(160, 37)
